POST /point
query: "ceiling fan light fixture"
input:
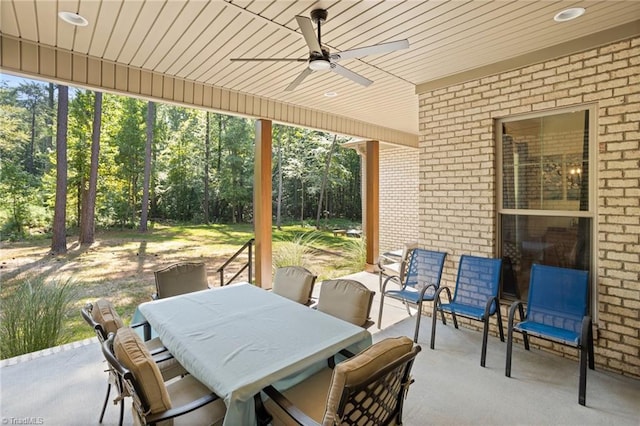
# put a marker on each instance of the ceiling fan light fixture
(569, 14)
(73, 19)
(319, 65)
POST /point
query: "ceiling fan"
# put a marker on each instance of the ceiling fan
(320, 59)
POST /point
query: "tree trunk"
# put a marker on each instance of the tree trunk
(219, 209)
(153, 196)
(302, 201)
(87, 221)
(79, 198)
(49, 118)
(325, 176)
(279, 202)
(144, 213)
(32, 141)
(59, 239)
(207, 155)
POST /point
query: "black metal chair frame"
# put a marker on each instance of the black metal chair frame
(585, 350)
(102, 336)
(400, 367)
(485, 319)
(133, 388)
(584, 345)
(421, 294)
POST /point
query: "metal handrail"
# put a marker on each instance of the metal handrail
(247, 246)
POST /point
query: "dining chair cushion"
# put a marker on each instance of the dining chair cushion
(294, 283)
(181, 278)
(361, 366)
(345, 300)
(131, 351)
(105, 314)
(310, 396)
(189, 389)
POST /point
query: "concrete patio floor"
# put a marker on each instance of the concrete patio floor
(66, 385)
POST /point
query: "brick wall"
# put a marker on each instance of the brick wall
(398, 197)
(457, 200)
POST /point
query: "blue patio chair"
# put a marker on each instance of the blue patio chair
(421, 281)
(557, 310)
(475, 297)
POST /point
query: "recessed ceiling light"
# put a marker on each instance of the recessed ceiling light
(331, 94)
(569, 14)
(73, 19)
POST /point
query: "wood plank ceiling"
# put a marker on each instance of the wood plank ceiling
(194, 40)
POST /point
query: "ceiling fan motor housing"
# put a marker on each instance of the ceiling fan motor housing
(319, 15)
(320, 62)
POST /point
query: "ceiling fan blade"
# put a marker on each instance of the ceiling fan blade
(355, 77)
(376, 49)
(298, 80)
(267, 59)
(309, 33)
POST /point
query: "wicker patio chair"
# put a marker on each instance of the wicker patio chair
(368, 389)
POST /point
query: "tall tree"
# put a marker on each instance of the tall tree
(59, 240)
(130, 140)
(325, 176)
(33, 99)
(87, 217)
(17, 187)
(147, 167)
(236, 182)
(79, 146)
(207, 156)
(48, 142)
(279, 197)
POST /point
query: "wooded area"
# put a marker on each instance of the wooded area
(100, 160)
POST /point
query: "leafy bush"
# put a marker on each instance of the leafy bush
(16, 194)
(12, 231)
(32, 316)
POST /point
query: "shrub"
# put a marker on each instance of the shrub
(355, 254)
(32, 317)
(295, 252)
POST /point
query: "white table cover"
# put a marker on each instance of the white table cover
(240, 338)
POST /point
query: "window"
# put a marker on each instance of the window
(545, 181)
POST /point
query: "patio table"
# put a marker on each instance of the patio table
(240, 338)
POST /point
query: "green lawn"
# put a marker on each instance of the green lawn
(120, 265)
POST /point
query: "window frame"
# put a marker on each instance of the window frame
(590, 213)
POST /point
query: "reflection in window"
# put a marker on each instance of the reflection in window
(545, 162)
(545, 183)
